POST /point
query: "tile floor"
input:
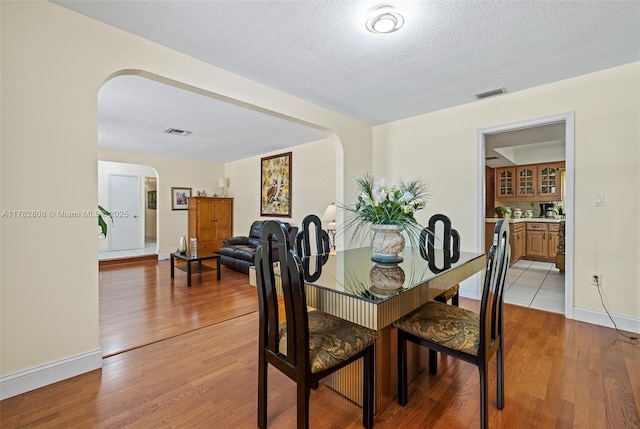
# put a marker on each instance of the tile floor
(536, 285)
(149, 249)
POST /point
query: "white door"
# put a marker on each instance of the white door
(124, 203)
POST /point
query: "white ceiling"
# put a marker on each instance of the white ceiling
(320, 51)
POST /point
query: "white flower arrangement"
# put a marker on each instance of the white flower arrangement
(381, 203)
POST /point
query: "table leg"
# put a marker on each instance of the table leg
(218, 267)
(173, 260)
(188, 273)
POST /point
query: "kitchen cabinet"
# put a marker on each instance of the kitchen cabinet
(542, 241)
(210, 221)
(504, 183)
(532, 182)
(518, 241)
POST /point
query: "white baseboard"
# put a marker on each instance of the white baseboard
(581, 314)
(600, 318)
(43, 375)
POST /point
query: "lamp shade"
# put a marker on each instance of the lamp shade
(330, 213)
(222, 183)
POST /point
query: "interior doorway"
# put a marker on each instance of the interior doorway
(130, 192)
(567, 120)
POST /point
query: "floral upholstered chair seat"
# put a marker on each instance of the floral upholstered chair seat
(332, 340)
(448, 325)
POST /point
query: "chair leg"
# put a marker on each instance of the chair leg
(484, 393)
(433, 362)
(262, 391)
(368, 388)
(315, 385)
(456, 299)
(402, 369)
(499, 363)
(303, 405)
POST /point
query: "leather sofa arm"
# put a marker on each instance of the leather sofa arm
(235, 240)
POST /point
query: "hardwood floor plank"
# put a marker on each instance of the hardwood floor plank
(558, 373)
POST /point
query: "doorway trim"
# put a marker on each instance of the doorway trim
(569, 119)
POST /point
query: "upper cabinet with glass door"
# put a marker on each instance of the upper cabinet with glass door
(533, 182)
(505, 183)
(549, 185)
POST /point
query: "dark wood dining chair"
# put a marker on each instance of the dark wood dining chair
(447, 240)
(461, 333)
(311, 232)
(309, 345)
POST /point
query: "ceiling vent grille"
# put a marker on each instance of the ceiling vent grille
(490, 93)
(491, 158)
(177, 132)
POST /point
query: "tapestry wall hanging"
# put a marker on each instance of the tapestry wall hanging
(275, 185)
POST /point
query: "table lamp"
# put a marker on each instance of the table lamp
(330, 215)
(222, 183)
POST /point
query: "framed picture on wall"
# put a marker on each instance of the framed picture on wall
(275, 185)
(151, 200)
(179, 198)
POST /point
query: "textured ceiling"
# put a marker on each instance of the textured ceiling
(446, 52)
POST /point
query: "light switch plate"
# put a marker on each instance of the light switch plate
(598, 200)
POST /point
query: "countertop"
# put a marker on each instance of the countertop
(523, 219)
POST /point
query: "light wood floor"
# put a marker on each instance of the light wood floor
(558, 373)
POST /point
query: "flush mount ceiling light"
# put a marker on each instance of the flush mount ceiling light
(384, 20)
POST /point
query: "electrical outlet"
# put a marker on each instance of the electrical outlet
(596, 279)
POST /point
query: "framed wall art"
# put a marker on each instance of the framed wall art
(275, 185)
(151, 200)
(179, 198)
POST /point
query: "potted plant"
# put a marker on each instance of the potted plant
(387, 210)
(102, 212)
(500, 211)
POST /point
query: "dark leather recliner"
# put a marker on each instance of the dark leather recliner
(238, 253)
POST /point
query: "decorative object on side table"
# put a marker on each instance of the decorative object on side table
(387, 211)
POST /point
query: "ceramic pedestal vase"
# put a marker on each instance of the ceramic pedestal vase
(387, 243)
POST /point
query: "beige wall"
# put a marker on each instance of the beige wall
(54, 62)
(444, 150)
(313, 184)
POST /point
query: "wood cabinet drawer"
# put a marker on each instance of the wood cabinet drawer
(554, 227)
(536, 226)
(518, 227)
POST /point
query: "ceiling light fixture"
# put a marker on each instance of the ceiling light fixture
(384, 20)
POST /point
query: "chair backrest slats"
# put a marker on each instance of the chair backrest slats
(304, 238)
(275, 238)
(445, 238)
(495, 275)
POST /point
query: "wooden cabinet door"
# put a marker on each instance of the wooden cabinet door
(504, 182)
(205, 228)
(554, 240)
(549, 180)
(222, 219)
(537, 246)
(526, 181)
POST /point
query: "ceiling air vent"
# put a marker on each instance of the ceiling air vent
(491, 158)
(490, 93)
(177, 132)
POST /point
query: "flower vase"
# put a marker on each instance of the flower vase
(387, 242)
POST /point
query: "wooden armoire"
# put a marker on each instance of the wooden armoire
(210, 221)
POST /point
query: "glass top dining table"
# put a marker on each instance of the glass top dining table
(348, 284)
